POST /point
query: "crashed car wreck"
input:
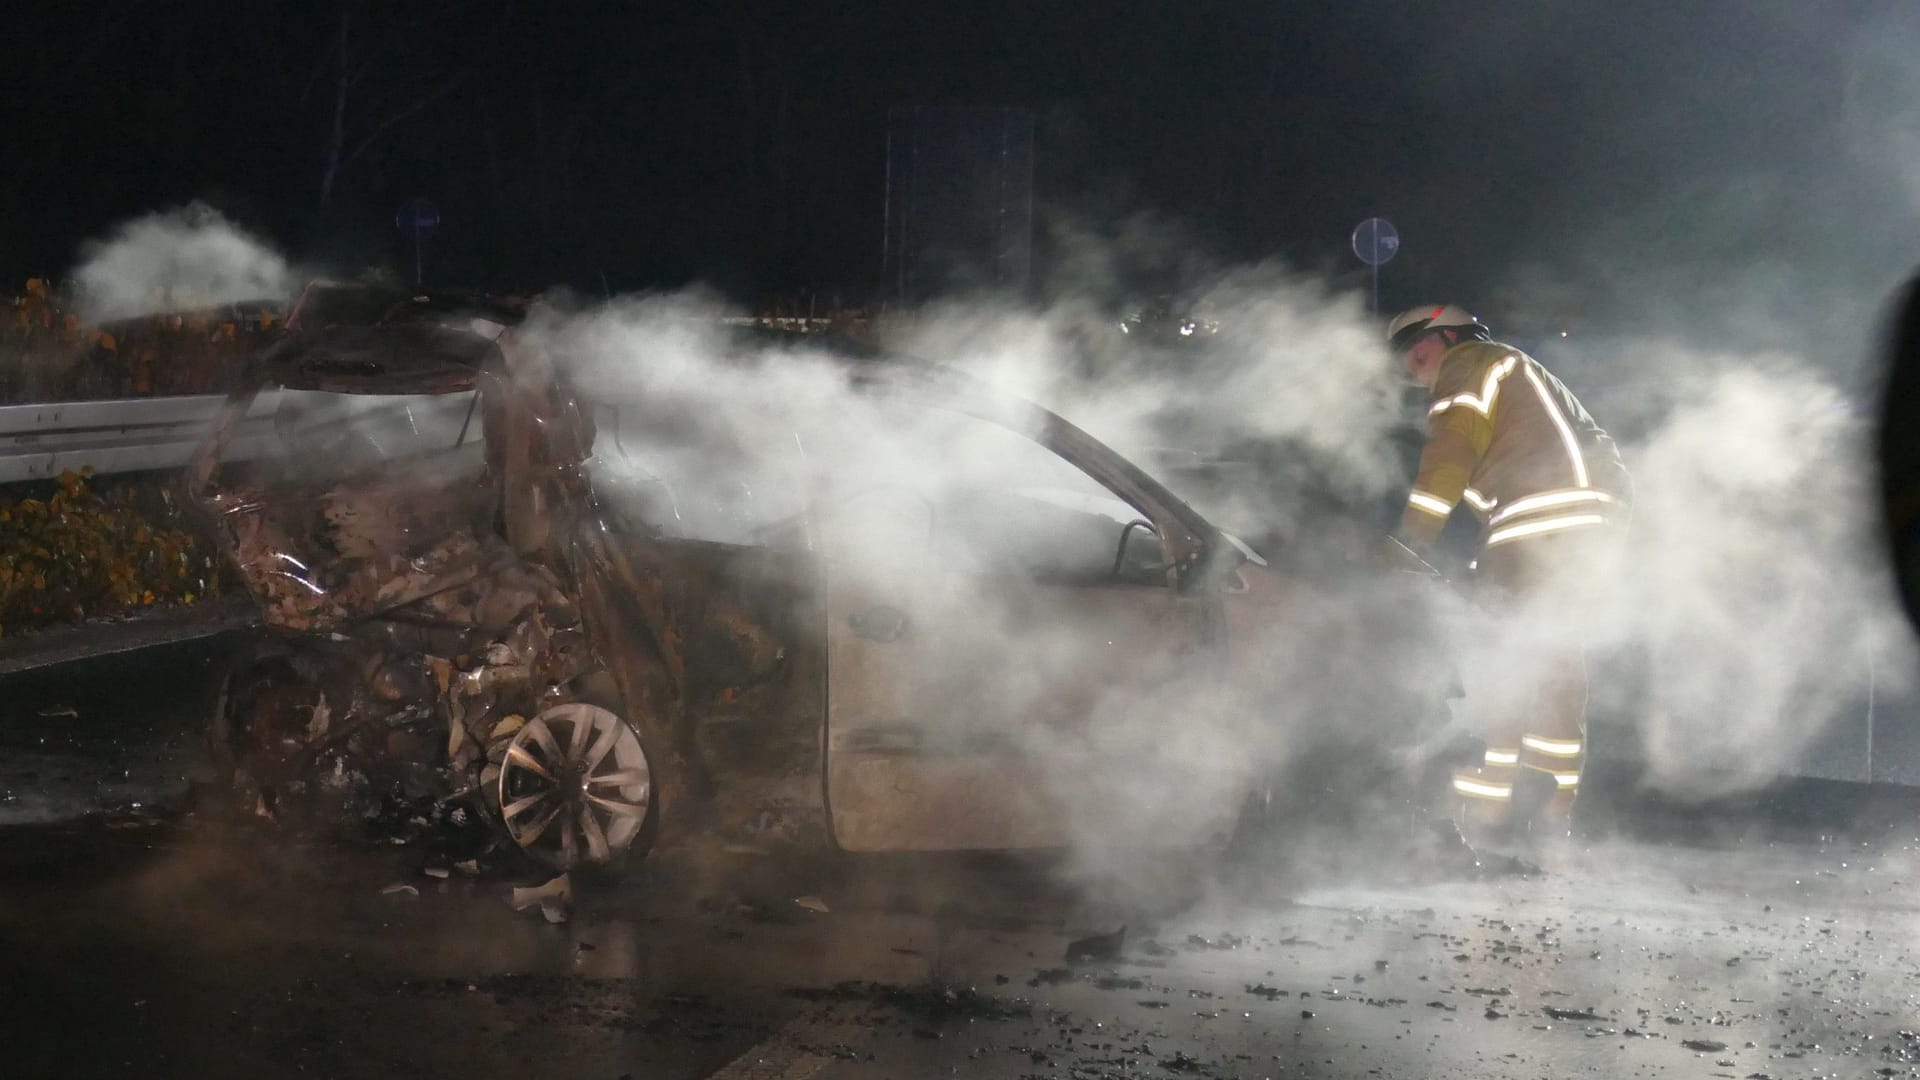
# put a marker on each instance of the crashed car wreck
(476, 602)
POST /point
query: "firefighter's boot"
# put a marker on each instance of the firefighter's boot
(1532, 814)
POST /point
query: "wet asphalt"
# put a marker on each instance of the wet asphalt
(149, 942)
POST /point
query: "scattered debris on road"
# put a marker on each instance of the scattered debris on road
(924, 1002)
(1098, 946)
(555, 899)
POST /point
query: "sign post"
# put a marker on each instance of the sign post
(1376, 242)
(418, 218)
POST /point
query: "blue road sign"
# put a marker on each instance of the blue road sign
(418, 217)
(1375, 241)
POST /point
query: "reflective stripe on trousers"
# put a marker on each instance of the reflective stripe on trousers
(1527, 692)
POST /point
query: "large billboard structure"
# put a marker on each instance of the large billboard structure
(959, 210)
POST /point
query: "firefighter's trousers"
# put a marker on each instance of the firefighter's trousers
(1526, 683)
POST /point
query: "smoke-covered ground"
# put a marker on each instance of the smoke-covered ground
(192, 949)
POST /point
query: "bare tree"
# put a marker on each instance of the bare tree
(384, 65)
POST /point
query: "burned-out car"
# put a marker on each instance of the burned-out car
(879, 606)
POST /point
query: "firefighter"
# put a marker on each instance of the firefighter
(1546, 484)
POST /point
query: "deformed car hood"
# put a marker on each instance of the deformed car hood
(358, 339)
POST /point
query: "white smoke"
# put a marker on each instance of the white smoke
(176, 260)
(1292, 360)
(1752, 579)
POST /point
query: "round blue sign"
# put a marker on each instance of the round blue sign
(1375, 241)
(417, 217)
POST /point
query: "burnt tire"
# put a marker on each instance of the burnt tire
(257, 692)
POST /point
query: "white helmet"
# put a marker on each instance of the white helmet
(1408, 326)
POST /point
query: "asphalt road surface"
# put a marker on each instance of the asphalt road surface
(146, 943)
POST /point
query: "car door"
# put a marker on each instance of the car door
(1007, 650)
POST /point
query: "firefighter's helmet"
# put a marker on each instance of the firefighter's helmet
(1408, 326)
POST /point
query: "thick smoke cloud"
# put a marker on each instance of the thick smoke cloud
(1292, 360)
(1752, 581)
(175, 260)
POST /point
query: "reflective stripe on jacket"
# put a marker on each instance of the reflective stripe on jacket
(1511, 440)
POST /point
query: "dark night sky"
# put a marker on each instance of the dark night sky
(1616, 161)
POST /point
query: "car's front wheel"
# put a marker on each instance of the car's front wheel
(574, 788)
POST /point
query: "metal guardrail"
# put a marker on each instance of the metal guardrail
(106, 637)
(40, 441)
